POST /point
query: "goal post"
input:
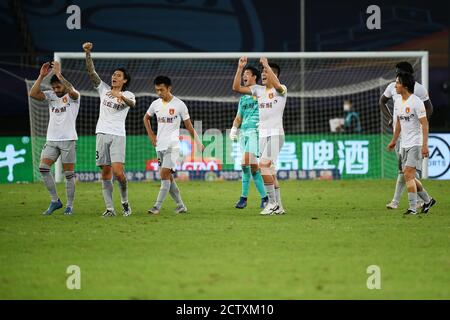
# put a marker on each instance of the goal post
(318, 85)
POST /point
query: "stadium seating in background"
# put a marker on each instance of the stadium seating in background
(10, 34)
(400, 24)
(150, 26)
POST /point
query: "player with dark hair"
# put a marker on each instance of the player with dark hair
(412, 124)
(272, 97)
(390, 92)
(64, 103)
(169, 111)
(247, 119)
(115, 102)
(404, 66)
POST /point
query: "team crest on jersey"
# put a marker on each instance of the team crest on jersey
(271, 95)
(407, 110)
(64, 99)
(171, 111)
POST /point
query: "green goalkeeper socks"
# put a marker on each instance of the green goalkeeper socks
(246, 176)
(259, 183)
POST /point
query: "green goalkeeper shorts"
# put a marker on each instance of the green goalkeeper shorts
(249, 142)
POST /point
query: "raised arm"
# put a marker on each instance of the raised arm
(237, 78)
(424, 123)
(95, 79)
(272, 78)
(148, 127)
(35, 91)
(190, 128)
(70, 89)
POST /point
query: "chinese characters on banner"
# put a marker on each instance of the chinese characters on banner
(352, 155)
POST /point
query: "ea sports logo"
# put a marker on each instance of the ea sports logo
(439, 161)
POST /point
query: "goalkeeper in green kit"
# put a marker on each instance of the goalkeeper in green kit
(247, 119)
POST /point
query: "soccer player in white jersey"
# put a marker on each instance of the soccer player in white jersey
(412, 124)
(169, 112)
(115, 101)
(272, 101)
(390, 93)
(63, 105)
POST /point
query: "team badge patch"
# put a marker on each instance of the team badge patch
(64, 99)
(407, 110)
(171, 111)
(271, 95)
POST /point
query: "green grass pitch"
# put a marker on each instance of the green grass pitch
(320, 249)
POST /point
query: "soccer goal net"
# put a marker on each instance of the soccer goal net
(322, 139)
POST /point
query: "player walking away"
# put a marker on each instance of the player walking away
(390, 92)
(169, 111)
(412, 124)
(63, 105)
(248, 119)
(115, 102)
(272, 101)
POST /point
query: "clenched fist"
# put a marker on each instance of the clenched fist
(87, 46)
(242, 62)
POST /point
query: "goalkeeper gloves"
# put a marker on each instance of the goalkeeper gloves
(233, 134)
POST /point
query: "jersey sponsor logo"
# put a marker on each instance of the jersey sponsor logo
(59, 110)
(111, 104)
(167, 119)
(406, 118)
(264, 105)
(250, 105)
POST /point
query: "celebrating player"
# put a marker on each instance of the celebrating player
(272, 101)
(115, 102)
(169, 111)
(248, 118)
(63, 105)
(390, 92)
(412, 124)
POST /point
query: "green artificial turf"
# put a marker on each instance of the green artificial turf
(321, 249)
